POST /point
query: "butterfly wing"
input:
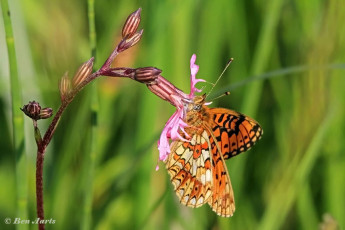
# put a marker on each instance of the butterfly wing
(222, 200)
(235, 133)
(189, 167)
(199, 174)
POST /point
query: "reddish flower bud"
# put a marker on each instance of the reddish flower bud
(46, 113)
(65, 86)
(128, 43)
(83, 72)
(131, 24)
(119, 72)
(146, 75)
(32, 110)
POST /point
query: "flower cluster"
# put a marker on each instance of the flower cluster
(175, 125)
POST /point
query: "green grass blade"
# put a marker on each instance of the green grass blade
(261, 55)
(17, 120)
(293, 179)
(90, 159)
(292, 70)
(252, 93)
(305, 206)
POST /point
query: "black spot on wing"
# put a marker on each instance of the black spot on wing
(220, 118)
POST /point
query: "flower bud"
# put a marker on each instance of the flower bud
(83, 72)
(32, 110)
(65, 86)
(131, 24)
(147, 74)
(128, 43)
(46, 113)
(119, 72)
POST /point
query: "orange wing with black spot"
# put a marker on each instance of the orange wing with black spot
(235, 133)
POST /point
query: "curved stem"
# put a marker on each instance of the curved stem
(51, 129)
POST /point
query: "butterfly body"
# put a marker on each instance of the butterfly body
(197, 167)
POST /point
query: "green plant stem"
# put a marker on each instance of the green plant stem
(153, 208)
(91, 155)
(92, 27)
(17, 120)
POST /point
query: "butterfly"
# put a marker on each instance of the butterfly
(197, 167)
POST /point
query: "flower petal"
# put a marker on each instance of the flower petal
(176, 124)
(163, 145)
(194, 70)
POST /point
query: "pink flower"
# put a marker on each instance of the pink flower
(175, 125)
(194, 70)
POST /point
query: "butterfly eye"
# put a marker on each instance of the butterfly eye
(197, 107)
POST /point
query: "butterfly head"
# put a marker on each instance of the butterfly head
(195, 110)
(195, 104)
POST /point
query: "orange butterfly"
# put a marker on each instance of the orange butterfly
(197, 167)
(203, 138)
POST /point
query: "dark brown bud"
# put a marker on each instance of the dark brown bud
(46, 113)
(131, 24)
(64, 86)
(147, 75)
(32, 110)
(128, 43)
(83, 72)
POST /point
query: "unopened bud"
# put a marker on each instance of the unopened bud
(120, 72)
(128, 43)
(131, 24)
(46, 113)
(32, 110)
(65, 86)
(146, 74)
(83, 72)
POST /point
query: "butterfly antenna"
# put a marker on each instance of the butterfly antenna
(222, 95)
(226, 67)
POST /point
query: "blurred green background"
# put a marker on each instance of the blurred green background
(288, 74)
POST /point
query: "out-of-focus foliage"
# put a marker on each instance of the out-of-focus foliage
(289, 180)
